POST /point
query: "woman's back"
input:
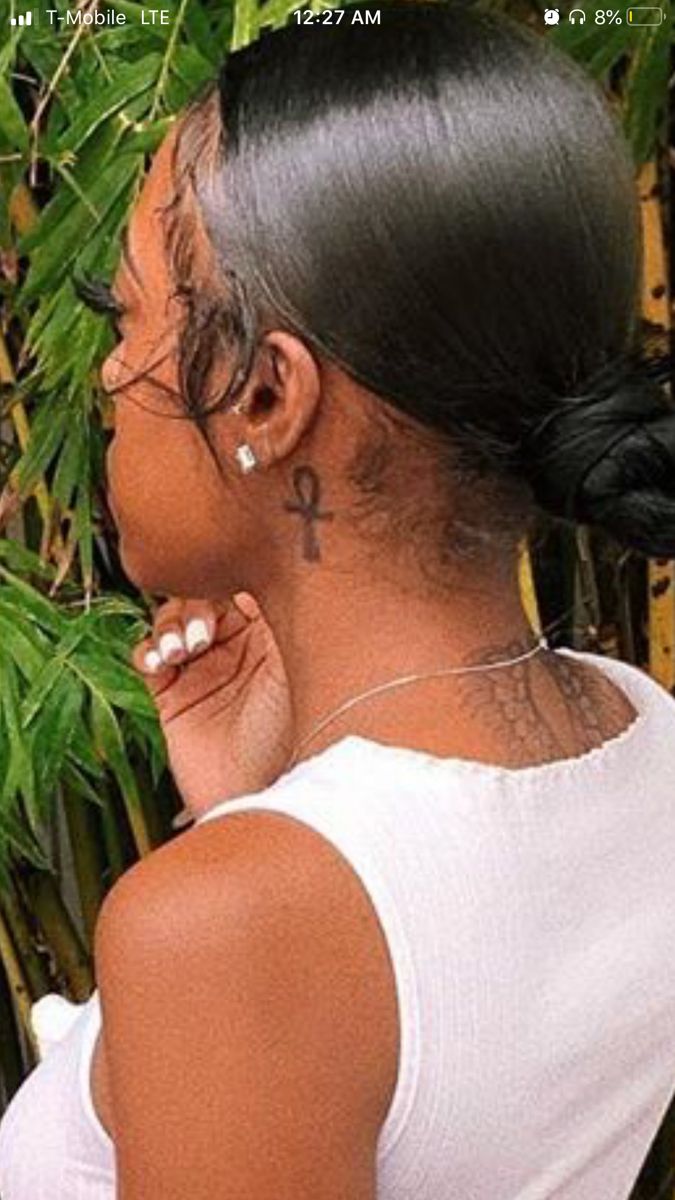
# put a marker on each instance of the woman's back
(529, 918)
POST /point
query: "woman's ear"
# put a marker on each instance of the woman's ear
(281, 399)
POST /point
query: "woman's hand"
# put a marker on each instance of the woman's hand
(224, 704)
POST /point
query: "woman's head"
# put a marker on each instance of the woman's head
(440, 212)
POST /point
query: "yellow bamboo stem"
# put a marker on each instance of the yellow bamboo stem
(17, 982)
(661, 572)
(33, 966)
(528, 593)
(6, 370)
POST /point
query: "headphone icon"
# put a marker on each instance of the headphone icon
(573, 18)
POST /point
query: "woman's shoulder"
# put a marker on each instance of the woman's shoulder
(301, 910)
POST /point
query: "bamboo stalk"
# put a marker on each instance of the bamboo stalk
(528, 593)
(17, 982)
(34, 968)
(587, 607)
(661, 572)
(12, 1066)
(150, 809)
(112, 835)
(60, 933)
(87, 864)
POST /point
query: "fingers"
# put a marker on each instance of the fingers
(184, 629)
(248, 605)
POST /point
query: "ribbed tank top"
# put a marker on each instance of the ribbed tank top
(529, 917)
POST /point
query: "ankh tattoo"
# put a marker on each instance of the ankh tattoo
(307, 489)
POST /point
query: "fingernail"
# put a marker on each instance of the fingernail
(196, 633)
(152, 661)
(170, 644)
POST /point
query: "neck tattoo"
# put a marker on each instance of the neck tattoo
(308, 490)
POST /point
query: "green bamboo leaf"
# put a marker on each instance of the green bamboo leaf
(245, 23)
(27, 657)
(50, 673)
(133, 13)
(56, 256)
(34, 605)
(149, 738)
(53, 733)
(114, 632)
(606, 58)
(8, 51)
(275, 13)
(47, 432)
(93, 339)
(20, 776)
(193, 70)
(91, 163)
(200, 34)
(596, 47)
(146, 139)
(37, 694)
(4, 754)
(13, 832)
(110, 746)
(15, 616)
(104, 607)
(130, 80)
(69, 465)
(41, 316)
(84, 531)
(81, 753)
(59, 340)
(646, 93)
(44, 56)
(118, 684)
(12, 123)
(78, 783)
(20, 558)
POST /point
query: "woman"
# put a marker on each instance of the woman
(378, 306)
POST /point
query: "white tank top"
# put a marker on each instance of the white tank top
(529, 916)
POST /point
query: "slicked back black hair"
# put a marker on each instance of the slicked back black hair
(444, 205)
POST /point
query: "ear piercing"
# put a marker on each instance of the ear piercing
(246, 458)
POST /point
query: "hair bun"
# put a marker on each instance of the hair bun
(607, 458)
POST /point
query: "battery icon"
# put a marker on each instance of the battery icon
(644, 16)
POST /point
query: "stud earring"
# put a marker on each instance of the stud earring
(246, 458)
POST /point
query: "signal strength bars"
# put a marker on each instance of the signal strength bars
(22, 20)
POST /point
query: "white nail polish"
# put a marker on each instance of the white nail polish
(169, 643)
(152, 661)
(196, 634)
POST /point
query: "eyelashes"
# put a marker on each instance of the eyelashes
(98, 296)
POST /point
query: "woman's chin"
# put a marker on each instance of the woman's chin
(140, 571)
(132, 569)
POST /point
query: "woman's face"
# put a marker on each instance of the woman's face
(165, 493)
